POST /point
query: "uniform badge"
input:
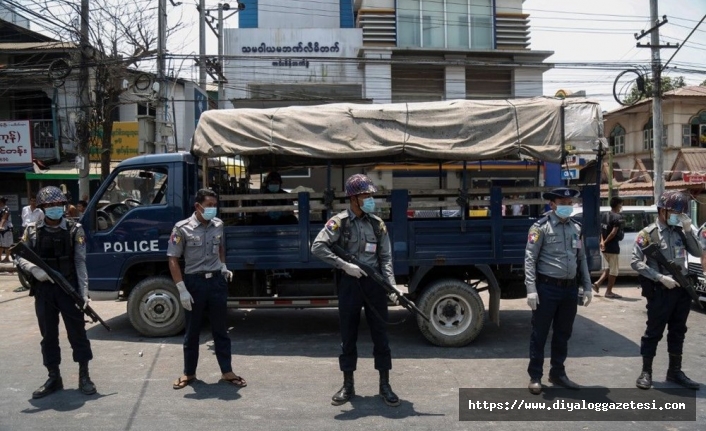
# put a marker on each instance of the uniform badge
(703, 233)
(332, 225)
(80, 240)
(533, 236)
(642, 240)
(174, 238)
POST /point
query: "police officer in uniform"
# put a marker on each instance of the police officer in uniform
(364, 235)
(62, 245)
(555, 266)
(203, 289)
(668, 304)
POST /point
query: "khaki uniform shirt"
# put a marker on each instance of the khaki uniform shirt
(200, 244)
(555, 249)
(363, 243)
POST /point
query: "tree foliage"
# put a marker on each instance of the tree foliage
(122, 39)
(636, 94)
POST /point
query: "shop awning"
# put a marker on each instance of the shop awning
(65, 171)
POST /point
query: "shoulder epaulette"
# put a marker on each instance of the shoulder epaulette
(181, 223)
(343, 214)
(542, 221)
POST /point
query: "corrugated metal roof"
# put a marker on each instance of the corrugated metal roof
(29, 46)
(688, 91)
(695, 158)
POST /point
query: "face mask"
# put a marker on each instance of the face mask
(209, 213)
(273, 188)
(54, 213)
(368, 205)
(564, 211)
(673, 220)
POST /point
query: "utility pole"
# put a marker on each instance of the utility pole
(218, 31)
(83, 132)
(657, 121)
(161, 109)
(202, 45)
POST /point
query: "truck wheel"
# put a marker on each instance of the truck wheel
(154, 308)
(456, 312)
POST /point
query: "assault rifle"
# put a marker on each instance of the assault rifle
(21, 250)
(652, 251)
(379, 279)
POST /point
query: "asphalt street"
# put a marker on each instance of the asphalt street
(289, 358)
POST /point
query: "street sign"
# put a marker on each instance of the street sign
(569, 174)
(694, 178)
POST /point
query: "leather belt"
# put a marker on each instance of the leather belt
(206, 274)
(561, 282)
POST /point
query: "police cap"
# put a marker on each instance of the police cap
(561, 193)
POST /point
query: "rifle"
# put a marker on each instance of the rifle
(652, 251)
(379, 279)
(21, 250)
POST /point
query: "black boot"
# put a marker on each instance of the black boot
(53, 384)
(676, 375)
(386, 393)
(645, 379)
(85, 384)
(346, 392)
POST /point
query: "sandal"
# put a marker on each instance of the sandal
(235, 381)
(183, 382)
(596, 288)
(612, 296)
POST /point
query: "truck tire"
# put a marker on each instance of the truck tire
(456, 312)
(154, 308)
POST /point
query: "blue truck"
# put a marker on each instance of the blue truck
(443, 262)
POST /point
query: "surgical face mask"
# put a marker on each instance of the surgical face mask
(209, 213)
(564, 211)
(54, 213)
(273, 188)
(368, 205)
(673, 220)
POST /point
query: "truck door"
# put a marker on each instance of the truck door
(129, 222)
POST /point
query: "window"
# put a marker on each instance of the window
(648, 139)
(695, 131)
(463, 24)
(131, 188)
(618, 139)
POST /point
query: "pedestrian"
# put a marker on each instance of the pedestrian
(30, 213)
(81, 207)
(273, 185)
(668, 304)
(555, 266)
(203, 289)
(61, 243)
(361, 233)
(6, 238)
(611, 235)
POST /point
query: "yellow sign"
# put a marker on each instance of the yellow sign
(124, 139)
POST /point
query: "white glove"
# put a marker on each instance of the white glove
(184, 296)
(86, 300)
(587, 296)
(668, 282)
(685, 222)
(394, 298)
(227, 274)
(40, 274)
(532, 300)
(353, 270)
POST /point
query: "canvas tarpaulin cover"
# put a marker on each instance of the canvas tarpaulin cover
(431, 131)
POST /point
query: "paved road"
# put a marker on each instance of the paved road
(289, 358)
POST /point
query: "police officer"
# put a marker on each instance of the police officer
(555, 266)
(667, 302)
(364, 235)
(62, 245)
(203, 289)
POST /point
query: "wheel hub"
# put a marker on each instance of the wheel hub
(159, 307)
(451, 315)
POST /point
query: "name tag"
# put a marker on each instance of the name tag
(370, 247)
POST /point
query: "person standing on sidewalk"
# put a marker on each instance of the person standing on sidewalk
(555, 266)
(668, 304)
(6, 238)
(611, 235)
(203, 289)
(61, 244)
(363, 234)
